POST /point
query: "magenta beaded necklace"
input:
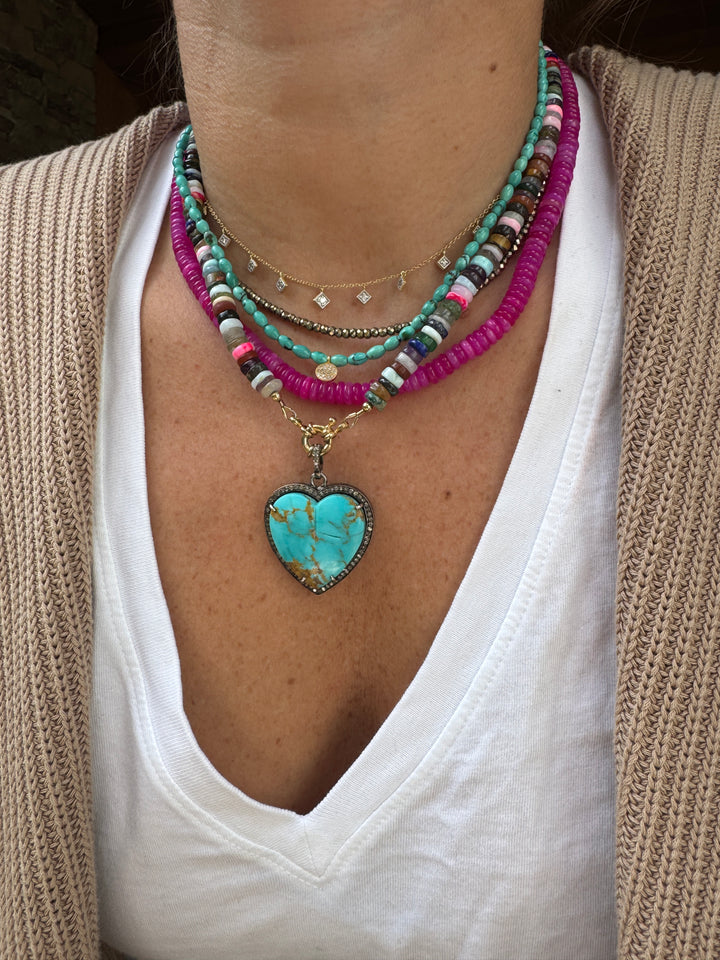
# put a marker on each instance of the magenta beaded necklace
(302, 520)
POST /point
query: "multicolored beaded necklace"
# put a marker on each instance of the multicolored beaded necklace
(320, 531)
(494, 242)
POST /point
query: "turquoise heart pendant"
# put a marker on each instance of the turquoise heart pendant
(318, 533)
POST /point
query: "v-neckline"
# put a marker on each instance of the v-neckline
(463, 656)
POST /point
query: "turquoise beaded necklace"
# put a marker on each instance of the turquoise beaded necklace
(327, 364)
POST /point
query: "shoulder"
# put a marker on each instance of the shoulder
(661, 121)
(86, 187)
(664, 132)
(632, 91)
(62, 217)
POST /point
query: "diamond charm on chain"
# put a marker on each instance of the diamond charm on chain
(280, 284)
(401, 281)
(252, 265)
(364, 297)
(224, 240)
(443, 262)
(322, 300)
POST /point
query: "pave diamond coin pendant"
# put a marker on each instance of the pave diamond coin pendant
(318, 531)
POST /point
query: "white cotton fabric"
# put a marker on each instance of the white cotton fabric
(478, 822)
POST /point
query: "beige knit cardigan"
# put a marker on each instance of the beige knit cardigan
(61, 216)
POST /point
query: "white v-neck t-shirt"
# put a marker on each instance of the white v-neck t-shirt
(478, 823)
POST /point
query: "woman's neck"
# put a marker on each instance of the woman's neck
(345, 140)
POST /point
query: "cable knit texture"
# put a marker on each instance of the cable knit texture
(665, 132)
(63, 214)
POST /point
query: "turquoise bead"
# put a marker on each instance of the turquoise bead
(527, 152)
(239, 294)
(260, 319)
(532, 137)
(232, 280)
(217, 251)
(203, 226)
(460, 265)
(285, 342)
(357, 358)
(428, 307)
(377, 351)
(272, 332)
(195, 215)
(514, 179)
(490, 221)
(248, 305)
(521, 163)
(441, 292)
(472, 248)
(536, 123)
(392, 343)
(298, 349)
(507, 191)
(225, 266)
(339, 359)
(407, 332)
(499, 208)
(317, 356)
(481, 236)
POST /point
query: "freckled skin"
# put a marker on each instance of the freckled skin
(242, 624)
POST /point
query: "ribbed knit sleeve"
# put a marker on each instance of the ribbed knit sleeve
(61, 216)
(665, 133)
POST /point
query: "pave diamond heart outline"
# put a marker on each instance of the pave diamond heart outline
(313, 579)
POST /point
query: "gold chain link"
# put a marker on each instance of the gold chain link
(349, 286)
(327, 431)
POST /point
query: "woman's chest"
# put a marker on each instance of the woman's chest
(283, 688)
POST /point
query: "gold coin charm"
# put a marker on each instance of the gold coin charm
(326, 371)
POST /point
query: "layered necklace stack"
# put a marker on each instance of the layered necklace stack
(320, 531)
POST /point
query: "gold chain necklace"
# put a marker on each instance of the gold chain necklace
(364, 296)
